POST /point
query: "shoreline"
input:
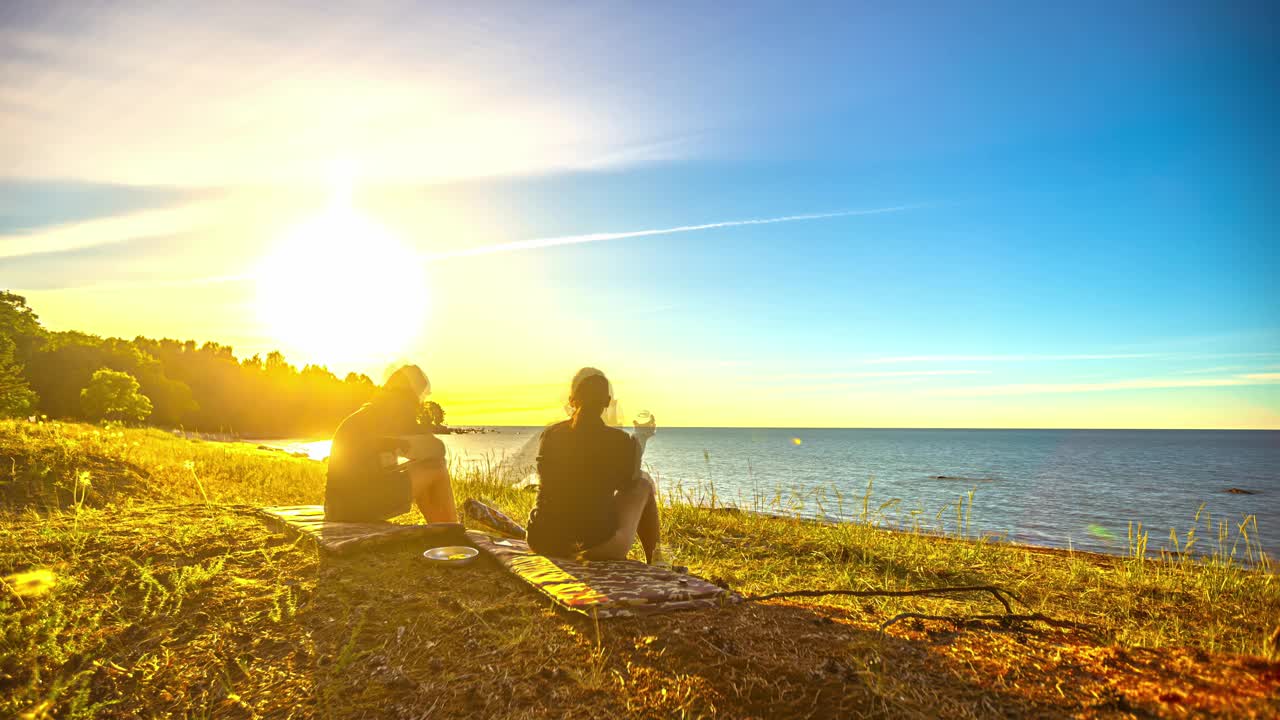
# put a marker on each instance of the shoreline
(993, 537)
(985, 539)
(989, 537)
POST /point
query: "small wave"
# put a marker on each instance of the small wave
(962, 478)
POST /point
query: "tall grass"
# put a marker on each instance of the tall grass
(1187, 591)
(134, 587)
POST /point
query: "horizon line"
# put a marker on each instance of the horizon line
(867, 427)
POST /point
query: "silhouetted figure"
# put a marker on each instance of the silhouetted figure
(366, 482)
(593, 499)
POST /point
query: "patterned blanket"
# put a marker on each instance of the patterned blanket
(604, 589)
(339, 537)
(491, 518)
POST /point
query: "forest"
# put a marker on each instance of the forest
(72, 375)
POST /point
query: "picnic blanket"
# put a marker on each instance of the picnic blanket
(343, 537)
(492, 518)
(604, 589)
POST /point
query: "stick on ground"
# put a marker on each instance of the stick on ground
(997, 592)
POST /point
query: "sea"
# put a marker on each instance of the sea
(1079, 489)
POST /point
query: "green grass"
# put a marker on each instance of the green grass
(170, 598)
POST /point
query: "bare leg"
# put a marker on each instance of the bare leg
(648, 529)
(632, 508)
(433, 493)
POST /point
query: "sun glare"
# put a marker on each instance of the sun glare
(340, 289)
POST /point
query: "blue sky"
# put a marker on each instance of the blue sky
(1074, 218)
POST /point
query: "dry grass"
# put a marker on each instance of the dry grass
(168, 603)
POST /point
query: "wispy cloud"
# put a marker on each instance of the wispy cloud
(131, 226)
(1109, 386)
(31, 205)
(876, 374)
(1005, 358)
(539, 243)
(489, 101)
(1211, 370)
(1073, 357)
(155, 223)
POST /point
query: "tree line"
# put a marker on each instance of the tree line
(76, 376)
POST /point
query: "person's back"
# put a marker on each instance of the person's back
(593, 501)
(358, 457)
(581, 468)
(364, 484)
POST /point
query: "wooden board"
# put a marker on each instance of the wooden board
(341, 537)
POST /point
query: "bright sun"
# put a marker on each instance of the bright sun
(340, 289)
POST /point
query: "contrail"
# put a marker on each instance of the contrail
(535, 244)
(538, 243)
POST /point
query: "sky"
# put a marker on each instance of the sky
(791, 214)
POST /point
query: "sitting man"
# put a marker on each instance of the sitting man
(366, 483)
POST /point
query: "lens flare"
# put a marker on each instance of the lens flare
(31, 583)
(1101, 533)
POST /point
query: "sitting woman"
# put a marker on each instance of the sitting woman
(366, 483)
(593, 500)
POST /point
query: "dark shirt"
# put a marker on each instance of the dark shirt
(580, 469)
(359, 486)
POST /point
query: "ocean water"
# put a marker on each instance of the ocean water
(1058, 488)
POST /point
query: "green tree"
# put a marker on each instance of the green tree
(19, 324)
(431, 413)
(16, 398)
(113, 395)
(200, 387)
(20, 335)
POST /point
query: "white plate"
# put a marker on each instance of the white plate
(451, 555)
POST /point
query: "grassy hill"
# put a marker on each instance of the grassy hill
(139, 584)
